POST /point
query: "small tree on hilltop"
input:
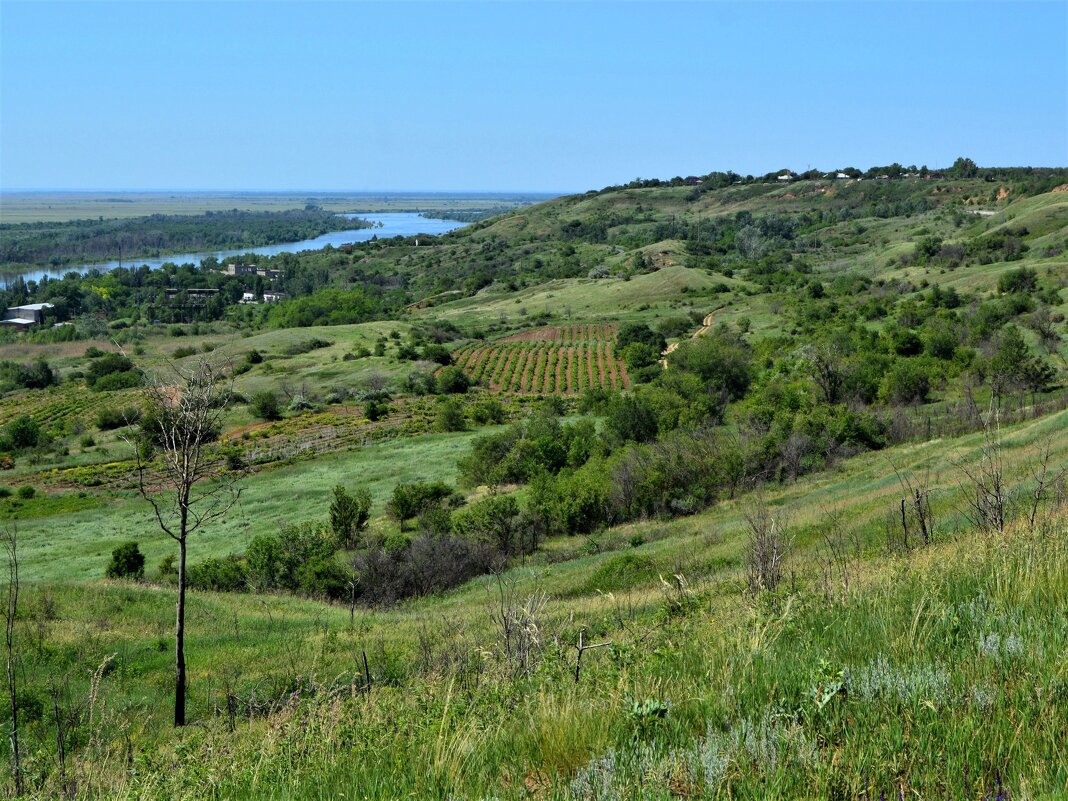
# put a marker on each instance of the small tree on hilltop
(189, 485)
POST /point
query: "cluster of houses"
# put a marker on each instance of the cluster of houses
(268, 297)
(198, 297)
(252, 269)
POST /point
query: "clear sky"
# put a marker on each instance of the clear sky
(517, 96)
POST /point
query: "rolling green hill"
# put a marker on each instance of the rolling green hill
(819, 527)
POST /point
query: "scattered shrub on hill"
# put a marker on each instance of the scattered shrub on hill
(36, 375)
(908, 381)
(349, 515)
(426, 565)
(487, 410)
(112, 382)
(453, 381)
(109, 419)
(1021, 280)
(226, 574)
(127, 561)
(265, 405)
(275, 561)
(108, 364)
(375, 410)
(449, 415)
(411, 500)
(23, 432)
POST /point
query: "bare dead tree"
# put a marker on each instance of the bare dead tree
(989, 498)
(9, 540)
(519, 622)
(839, 554)
(767, 545)
(1045, 479)
(189, 485)
(916, 505)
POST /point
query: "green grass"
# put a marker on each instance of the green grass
(940, 672)
(75, 545)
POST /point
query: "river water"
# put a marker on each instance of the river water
(390, 224)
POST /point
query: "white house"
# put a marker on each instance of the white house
(23, 318)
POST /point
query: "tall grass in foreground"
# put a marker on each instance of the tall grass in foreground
(943, 674)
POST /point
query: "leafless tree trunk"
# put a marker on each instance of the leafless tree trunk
(189, 485)
(989, 499)
(768, 543)
(839, 554)
(1044, 480)
(916, 505)
(11, 608)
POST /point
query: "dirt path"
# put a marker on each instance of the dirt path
(706, 325)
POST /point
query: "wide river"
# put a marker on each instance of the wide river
(390, 224)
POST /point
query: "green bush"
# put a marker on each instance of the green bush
(227, 574)
(410, 500)
(116, 381)
(349, 515)
(127, 561)
(453, 381)
(109, 419)
(23, 432)
(449, 415)
(265, 405)
(908, 381)
(106, 365)
(487, 410)
(27, 492)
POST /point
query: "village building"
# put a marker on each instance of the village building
(196, 297)
(23, 318)
(252, 269)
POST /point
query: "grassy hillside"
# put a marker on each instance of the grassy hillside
(863, 673)
(783, 364)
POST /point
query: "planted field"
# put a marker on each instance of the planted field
(553, 359)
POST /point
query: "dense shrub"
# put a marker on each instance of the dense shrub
(108, 364)
(274, 561)
(265, 405)
(908, 381)
(453, 381)
(410, 500)
(109, 419)
(112, 382)
(487, 410)
(23, 432)
(227, 574)
(449, 415)
(36, 375)
(426, 565)
(127, 561)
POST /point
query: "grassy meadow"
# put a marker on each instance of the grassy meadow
(871, 672)
(876, 667)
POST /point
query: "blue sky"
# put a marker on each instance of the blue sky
(547, 96)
